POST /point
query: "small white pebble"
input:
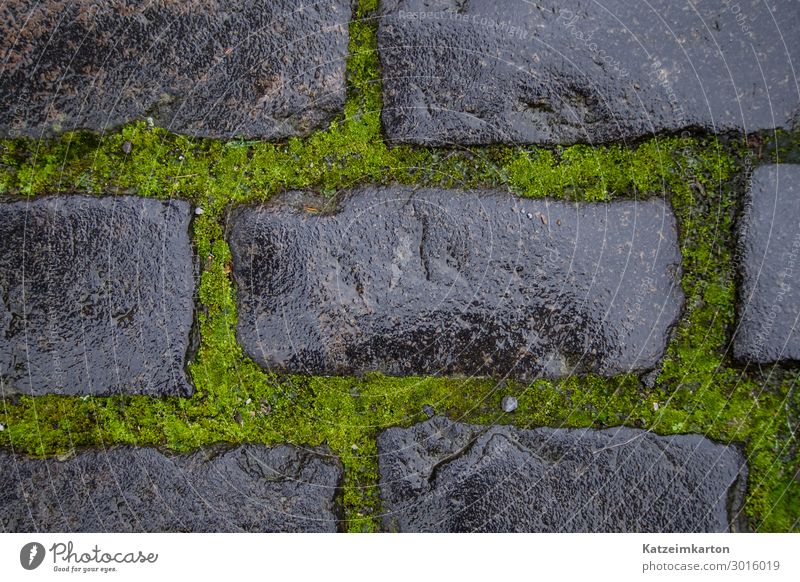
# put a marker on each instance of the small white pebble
(2, 427)
(509, 404)
(530, 215)
(198, 211)
(655, 405)
(248, 401)
(354, 447)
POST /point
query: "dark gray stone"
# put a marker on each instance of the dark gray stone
(249, 488)
(556, 71)
(213, 68)
(455, 282)
(96, 296)
(449, 477)
(769, 244)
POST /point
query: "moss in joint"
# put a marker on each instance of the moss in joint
(698, 390)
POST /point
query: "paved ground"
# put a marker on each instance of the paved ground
(406, 281)
(203, 68)
(249, 488)
(98, 295)
(101, 291)
(441, 476)
(561, 72)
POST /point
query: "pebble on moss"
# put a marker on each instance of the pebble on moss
(509, 404)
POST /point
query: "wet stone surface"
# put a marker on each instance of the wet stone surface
(449, 477)
(453, 282)
(96, 296)
(249, 488)
(769, 243)
(201, 67)
(563, 72)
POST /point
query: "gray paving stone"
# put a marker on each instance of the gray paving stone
(455, 282)
(249, 488)
(768, 327)
(443, 476)
(213, 68)
(96, 296)
(556, 71)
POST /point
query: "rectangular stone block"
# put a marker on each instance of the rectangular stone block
(443, 476)
(567, 71)
(249, 488)
(768, 326)
(204, 68)
(96, 296)
(443, 282)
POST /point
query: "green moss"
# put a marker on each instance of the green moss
(698, 390)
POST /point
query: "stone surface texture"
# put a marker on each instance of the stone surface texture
(455, 283)
(249, 488)
(441, 476)
(214, 68)
(557, 71)
(96, 295)
(768, 328)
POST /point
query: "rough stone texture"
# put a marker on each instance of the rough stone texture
(449, 477)
(556, 71)
(455, 282)
(248, 488)
(769, 240)
(96, 295)
(213, 68)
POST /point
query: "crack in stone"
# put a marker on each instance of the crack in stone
(423, 240)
